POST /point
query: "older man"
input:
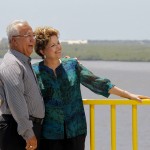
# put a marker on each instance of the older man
(22, 108)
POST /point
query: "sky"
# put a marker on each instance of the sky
(82, 19)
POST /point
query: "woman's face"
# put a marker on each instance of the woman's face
(53, 49)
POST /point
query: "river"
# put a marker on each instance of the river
(133, 77)
(130, 76)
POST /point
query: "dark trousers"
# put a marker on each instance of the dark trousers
(9, 137)
(76, 143)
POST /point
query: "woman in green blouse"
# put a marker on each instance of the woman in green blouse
(64, 126)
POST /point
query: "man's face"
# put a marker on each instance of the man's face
(24, 42)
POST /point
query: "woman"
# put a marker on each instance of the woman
(64, 126)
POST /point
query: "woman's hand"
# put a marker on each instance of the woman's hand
(122, 93)
(138, 97)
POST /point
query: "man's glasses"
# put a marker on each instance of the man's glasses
(25, 35)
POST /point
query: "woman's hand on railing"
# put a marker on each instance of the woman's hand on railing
(122, 93)
(138, 97)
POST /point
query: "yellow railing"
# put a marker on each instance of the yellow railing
(113, 103)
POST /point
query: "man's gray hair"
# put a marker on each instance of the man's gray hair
(12, 28)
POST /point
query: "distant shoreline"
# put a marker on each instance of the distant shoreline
(119, 50)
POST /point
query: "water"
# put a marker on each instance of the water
(133, 77)
(130, 76)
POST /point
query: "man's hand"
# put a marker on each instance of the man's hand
(74, 58)
(31, 144)
(67, 56)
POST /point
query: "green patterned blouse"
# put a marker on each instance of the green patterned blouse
(64, 112)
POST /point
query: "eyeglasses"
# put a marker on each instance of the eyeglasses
(25, 35)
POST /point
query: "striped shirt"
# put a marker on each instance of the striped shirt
(22, 96)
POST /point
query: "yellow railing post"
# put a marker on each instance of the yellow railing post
(113, 103)
(113, 127)
(92, 127)
(134, 127)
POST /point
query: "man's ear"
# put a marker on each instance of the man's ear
(13, 41)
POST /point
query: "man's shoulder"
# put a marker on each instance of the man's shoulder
(8, 60)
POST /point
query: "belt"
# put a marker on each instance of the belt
(36, 120)
(9, 117)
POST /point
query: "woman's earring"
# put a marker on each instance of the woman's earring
(44, 56)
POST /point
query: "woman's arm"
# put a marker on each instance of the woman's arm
(122, 93)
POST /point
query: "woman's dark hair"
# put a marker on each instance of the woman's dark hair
(42, 38)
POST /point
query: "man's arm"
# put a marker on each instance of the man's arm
(12, 77)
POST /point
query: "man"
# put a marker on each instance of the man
(22, 108)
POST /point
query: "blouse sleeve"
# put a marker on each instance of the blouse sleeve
(96, 84)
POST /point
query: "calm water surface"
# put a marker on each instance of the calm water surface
(133, 77)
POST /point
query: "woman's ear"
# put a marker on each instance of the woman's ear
(41, 51)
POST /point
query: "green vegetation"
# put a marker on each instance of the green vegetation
(109, 51)
(106, 50)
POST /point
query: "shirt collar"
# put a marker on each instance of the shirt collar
(20, 56)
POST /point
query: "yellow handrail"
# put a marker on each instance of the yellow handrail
(113, 127)
(113, 103)
(92, 127)
(134, 127)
